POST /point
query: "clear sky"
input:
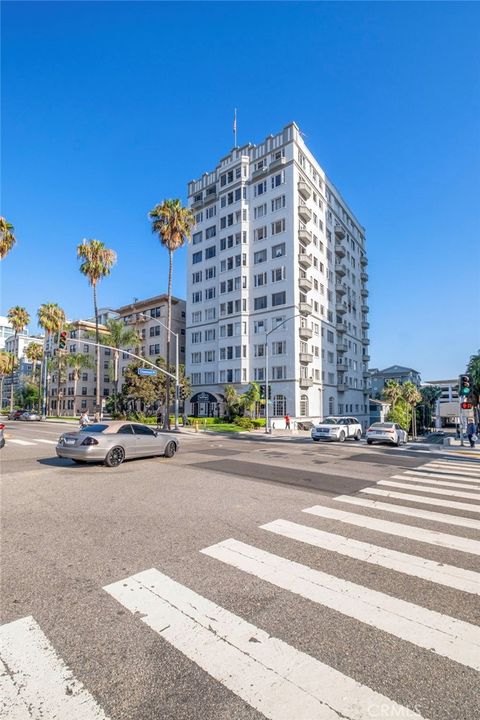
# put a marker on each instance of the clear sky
(110, 107)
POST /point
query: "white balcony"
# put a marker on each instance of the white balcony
(364, 292)
(341, 387)
(305, 213)
(341, 327)
(365, 325)
(342, 347)
(339, 231)
(304, 190)
(305, 260)
(306, 383)
(305, 358)
(363, 261)
(305, 332)
(340, 251)
(365, 309)
(305, 308)
(341, 288)
(365, 341)
(305, 284)
(341, 308)
(363, 276)
(305, 236)
(366, 358)
(340, 269)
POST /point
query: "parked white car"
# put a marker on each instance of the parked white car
(386, 432)
(337, 428)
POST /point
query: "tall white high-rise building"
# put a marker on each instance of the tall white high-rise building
(277, 261)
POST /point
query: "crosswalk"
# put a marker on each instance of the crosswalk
(275, 678)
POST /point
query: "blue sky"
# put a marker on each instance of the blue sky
(110, 107)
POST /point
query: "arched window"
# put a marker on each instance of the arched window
(280, 405)
(331, 405)
(304, 405)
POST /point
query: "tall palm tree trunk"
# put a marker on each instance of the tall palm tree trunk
(97, 349)
(169, 326)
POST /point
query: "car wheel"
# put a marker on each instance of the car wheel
(341, 437)
(171, 449)
(369, 442)
(115, 457)
(358, 435)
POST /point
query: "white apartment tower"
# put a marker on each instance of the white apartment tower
(277, 261)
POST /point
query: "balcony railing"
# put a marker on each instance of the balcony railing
(341, 308)
(306, 383)
(305, 236)
(305, 284)
(305, 260)
(305, 213)
(340, 250)
(305, 332)
(340, 269)
(363, 276)
(305, 308)
(304, 189)
(339, 231)
(306, 358)
(341, 288)
(342, 347)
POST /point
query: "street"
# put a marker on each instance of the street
(247, 577)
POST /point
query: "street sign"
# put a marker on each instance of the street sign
(146, 371)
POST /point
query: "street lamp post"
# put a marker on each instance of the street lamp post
(267, 387)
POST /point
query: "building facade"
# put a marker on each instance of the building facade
(277, 267)
(447, 407)
(6, 329)
(399, 373)
(16, 345)
(71, 392)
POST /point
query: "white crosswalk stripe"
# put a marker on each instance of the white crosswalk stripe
(47, 442)
(422, 500)
(412, 532)
(410, 511)
(440, 573)
(17, 441)
(35, 682)
(427, 480)
(462, 468)
(430, 489)
(267, 673)
(443, 476)
(439, 633)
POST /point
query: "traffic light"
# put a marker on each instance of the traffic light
(62, 340)
(269, 392)
(262, 392)
(465, 385)
(466, 406)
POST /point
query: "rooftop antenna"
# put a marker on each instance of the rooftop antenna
(235, 128)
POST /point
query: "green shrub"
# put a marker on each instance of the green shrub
(245, 423)
(258, 422)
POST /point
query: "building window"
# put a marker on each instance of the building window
(280, 405)
(278, 250)
(260, 233)
(210, 252)
(278, 203)
(278, 274)
(279, 298)
(304, 405)
(260, 279)
(154, 331)
(210, 232)
(197, 238)
(197, 257)
(331, 405)
(196, 358)
(260, 256)
(210, 273)
(260, 303)
(278, 226)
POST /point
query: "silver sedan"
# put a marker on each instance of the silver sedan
(114, 442)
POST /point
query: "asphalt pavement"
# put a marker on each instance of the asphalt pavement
(247, 577)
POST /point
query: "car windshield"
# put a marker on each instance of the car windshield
(382, 426)
(330, 421)
(94, 428)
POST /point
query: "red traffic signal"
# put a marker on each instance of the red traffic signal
(63, 340)
(466, 406)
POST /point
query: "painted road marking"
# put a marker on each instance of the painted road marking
(464, 467)
(267, 673)
(427, 480)
(47, 442)
(434, 631)
(448, 575)
(443, 476)
(435, 490)
(35, 681)
(20, 442)
(412, 512)
(412, 532)
(420, 499)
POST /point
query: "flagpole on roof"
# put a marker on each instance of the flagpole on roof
(235, 128)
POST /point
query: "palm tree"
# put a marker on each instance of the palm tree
(51, 317)
(8, 363)
(119, 336)
(173, 224)
(98, 260)
(19, 318)
(473, 369)
(78, 362)
(232, 400)
(251, 397)
(7, 238)
(34, 353)
(392, 392)
(412, 396)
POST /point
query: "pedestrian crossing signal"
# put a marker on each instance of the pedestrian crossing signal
(62, 341)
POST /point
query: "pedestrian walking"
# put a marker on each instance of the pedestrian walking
(159, 418)
(84, 420)
(472, 433)
(287, 422)
(184, 419)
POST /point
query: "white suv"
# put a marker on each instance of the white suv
(337, 428)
